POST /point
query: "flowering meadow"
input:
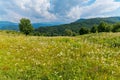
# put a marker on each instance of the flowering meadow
(87, 57)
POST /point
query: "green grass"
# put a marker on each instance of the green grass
(87, 57)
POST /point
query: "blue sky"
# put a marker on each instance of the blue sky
(57, 10)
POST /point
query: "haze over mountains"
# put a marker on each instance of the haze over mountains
(6, 25)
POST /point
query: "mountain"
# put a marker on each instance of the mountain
(107, 19)
(58, 28)
(6, 25)
(75, 26)
(45, 24)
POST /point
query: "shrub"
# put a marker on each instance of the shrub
(116, 27)
(84, 30)
(94, 29)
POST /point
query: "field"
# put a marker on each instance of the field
(86, 57)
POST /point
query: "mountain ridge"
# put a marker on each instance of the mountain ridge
(111, 19)
(75, 26)
(59, 27)
(7, 25)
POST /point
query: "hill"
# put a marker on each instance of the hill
(75, 26)
(6, 25)
(44, 24)
(58, 28)
(87, 57)
(108, 19)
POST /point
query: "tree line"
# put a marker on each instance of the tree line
(26, 27)
(102, 27)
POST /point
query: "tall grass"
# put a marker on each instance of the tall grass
(87, 57)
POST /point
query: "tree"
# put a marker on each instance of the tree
(83, 30)
(68, 32)
(108, 28)
(25, 26)
(102, 27)
(94, 29)
(116, 27)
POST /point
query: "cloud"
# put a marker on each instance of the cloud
(103, 6)
(55, 10)
(98, 8)
(75, 12)
(33, 9)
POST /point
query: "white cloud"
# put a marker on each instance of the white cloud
(55, 10)
(103, 6)
(75, 12)
(98, 8)
(28, 8)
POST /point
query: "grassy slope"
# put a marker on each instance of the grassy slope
(87, 57)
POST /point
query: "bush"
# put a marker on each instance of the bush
(102, 27)
(68, 32)
(84, 30)
(116, 27)
(94, 29)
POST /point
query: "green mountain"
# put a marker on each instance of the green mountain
(108, 19)
(75, 26)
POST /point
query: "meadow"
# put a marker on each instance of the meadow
(86, 57)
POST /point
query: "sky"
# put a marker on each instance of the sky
(57, 10)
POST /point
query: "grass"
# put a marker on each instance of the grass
(87, 57)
